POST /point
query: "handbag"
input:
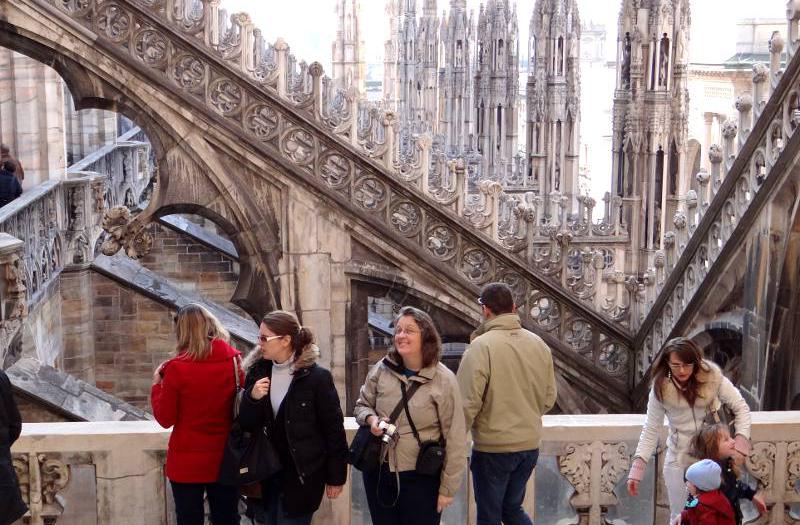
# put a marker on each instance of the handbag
(248, 457)
(721, 414)
(430, 459)
(365, 449)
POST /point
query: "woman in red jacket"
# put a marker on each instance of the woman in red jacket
(193, 392)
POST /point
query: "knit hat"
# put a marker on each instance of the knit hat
(705, 475)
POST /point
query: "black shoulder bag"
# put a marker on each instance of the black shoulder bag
(432, 452)
(365, 449)
(248, 457)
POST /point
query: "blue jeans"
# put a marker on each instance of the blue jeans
(499, 483)
(223, 503)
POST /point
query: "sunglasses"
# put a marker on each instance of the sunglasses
(268, 338)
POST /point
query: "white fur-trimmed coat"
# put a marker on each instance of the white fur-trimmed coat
(683, 421)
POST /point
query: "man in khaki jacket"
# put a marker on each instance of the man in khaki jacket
(507, 383)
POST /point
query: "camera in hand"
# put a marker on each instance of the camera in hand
(389, 431)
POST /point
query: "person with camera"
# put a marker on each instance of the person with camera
(508, 382)
(287, 391)
(424, 456)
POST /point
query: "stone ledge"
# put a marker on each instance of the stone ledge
(68, 394)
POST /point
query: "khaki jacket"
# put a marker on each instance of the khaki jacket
(437, 400)
(507, 383)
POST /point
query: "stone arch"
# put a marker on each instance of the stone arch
(721, 342)
(693, 158)
(171, 139)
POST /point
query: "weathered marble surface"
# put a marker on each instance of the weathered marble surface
(80, 400)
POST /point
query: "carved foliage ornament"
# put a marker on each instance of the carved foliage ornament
(761, 463)
(125, 233)
(335, 170)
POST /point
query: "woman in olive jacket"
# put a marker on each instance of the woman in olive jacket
(11, 505)
(297, 401)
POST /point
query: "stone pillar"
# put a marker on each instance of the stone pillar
(77, 321)
(32, 117)
(744, 105)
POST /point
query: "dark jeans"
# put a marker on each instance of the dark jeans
(499, 482)
(274, 513)
(223, 502)
(416, 504)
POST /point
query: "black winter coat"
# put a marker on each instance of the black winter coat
(308, 433)
(10, 187)
(734, 489)
(11, 505)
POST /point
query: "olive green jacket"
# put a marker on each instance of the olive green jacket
(507, 383)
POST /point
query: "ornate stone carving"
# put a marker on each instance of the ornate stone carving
(614, 359)
(262, 121)
(441, 241)
(476, 265)
(189, 72)
(761, 463)
(335, 170)
(616, 461)
(127, 233)
(406, 217)
(298, 145)
(370, 193)
(151, 47)
(225, 96)
(544, 311)
(113, 21)
(575, 465)
(793, 466)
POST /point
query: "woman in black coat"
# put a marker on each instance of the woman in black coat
(11, 505)
(298, 402)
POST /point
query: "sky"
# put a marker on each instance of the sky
(309, 25)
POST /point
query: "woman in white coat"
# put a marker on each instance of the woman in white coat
(686, 388)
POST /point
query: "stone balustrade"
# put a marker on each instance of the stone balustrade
(112, 473)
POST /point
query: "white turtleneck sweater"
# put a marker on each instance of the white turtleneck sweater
(279, 384)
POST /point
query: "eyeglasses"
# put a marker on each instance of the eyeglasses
(268, 338)
(681, 366)
(407, 331)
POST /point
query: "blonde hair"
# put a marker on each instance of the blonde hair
(195, 328)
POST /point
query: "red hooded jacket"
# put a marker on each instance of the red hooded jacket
(713, 508)
(196, 398)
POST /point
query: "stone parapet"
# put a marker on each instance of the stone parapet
(112, 473)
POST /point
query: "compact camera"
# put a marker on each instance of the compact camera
(389, 431)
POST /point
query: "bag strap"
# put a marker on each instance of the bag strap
(408, 413)
(236, 373)
(411, 421)
(404, 400)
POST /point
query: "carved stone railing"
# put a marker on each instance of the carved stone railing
(112, 473)
(58, 224)
(224, 67)
(719, 215)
